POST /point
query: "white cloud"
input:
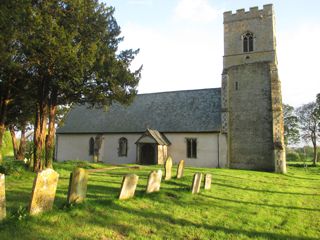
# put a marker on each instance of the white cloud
(176, 59)
(196, 11)
(298, 54)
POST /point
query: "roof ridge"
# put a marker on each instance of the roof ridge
(174, 91)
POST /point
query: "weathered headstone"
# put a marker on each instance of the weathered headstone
(180, 169)
(196, 183)
(43, 191)
(154, 181)
(207, 181)
(77, 185)
(128, 186)
(2, 197)
(167, 168)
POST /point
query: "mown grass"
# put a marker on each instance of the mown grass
(240, 205)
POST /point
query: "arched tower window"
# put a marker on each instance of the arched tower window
(248, 42)
(91, 146)
(123, 147)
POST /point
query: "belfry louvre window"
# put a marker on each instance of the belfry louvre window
(123, 147)
(191, 148)
(248, 42)
(91, 146)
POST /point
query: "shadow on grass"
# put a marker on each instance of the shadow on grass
(263, 204)
(185, 223)
(266, 191)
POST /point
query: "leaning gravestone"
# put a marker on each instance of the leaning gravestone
(43, 191)
(128, 186)
(154, 181)
(167, 168)
(207, 181)
(2, 197)
(77, 185)
(180, 169)
(196, 183)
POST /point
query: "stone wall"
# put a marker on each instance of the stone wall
(250, 135)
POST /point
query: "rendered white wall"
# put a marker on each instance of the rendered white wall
(76, 147)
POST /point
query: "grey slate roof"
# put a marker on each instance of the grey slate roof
(157, 136)
(178, 111)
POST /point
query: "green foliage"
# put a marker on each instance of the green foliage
(7, 149)
(241, 205)
(293, 156)
(12, 167)
(291, 125)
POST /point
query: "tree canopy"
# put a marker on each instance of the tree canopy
(64, 53)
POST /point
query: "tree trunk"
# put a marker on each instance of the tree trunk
(314, 143)
(14, 141)
(22, 147)
(39, 137)
(51, 132)
(4, 101)
(2, 130)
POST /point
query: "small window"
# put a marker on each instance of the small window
(191, 148)
(91, 147)
(236, 86)
(123, 147)
(248, 42)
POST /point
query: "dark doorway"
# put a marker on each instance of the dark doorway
(147, 154)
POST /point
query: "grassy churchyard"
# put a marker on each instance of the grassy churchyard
(240, 205)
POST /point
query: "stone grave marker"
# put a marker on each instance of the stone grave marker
(196, 183)
(167, 168)
(154, 181)
(180, 169)
(43, 191)
(128, 186)
(77, 185)
(207, 181)
(2, 197)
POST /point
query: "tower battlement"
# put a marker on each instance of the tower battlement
(254, 12)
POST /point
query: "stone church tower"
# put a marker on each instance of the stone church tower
(252, 115)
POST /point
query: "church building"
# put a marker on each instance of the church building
(239, 125)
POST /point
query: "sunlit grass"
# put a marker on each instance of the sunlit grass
(240, 205)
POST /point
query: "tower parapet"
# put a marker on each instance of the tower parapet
(254, 12)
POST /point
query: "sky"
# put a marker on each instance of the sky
(181, 43)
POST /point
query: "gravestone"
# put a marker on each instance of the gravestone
(43, 191)
(2, 197)
(196, 183)
(207, 181)
(167, 168)
(128, 186)
(180, 169)
(77, 185)
(154, 181)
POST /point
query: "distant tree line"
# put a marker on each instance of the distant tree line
(54, 54)
(303, 123)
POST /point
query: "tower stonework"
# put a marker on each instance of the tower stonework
(251, 101)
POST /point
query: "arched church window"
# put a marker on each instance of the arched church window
(91, 146)
(248, 42)
(123, 147)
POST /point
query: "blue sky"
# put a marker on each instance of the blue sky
(181, 43)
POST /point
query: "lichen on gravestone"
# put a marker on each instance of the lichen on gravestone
(180, 169)
(128, 186)
(196, 183)
(2, 197)
(167, 168)
(43, 191)
(154, 181)
(207, 181)
(77, 190)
